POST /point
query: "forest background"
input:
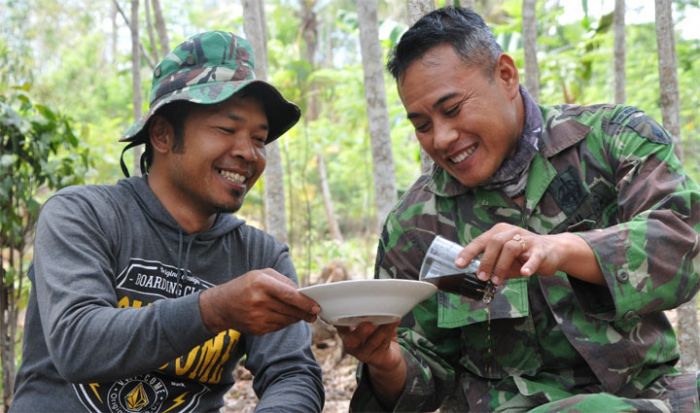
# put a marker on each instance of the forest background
(68, 76)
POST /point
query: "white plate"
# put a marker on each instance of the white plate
(348, 303)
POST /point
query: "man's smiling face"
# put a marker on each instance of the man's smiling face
(467, 121)
(223, 155)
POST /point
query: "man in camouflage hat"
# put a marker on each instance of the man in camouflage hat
(583, 218)
(147, 293)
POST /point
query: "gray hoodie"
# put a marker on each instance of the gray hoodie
(113, 321)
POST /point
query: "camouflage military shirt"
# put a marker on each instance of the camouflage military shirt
(608, 174)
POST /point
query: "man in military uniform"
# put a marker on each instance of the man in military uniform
(581, 215)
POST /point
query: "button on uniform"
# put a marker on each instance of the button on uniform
(623, 276)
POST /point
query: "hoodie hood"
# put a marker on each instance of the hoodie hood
(167, 226)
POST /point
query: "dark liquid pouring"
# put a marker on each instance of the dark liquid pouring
(466, 285)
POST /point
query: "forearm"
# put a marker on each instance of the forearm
(94, 343)
(649, 264)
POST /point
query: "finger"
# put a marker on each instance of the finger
(470, 251)
(284, 309)
(508, 263)
(489, 258)
(354, 339)
(380, 341)
(284, 290)
(532, 264)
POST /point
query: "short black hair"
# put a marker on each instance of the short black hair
(461, 28)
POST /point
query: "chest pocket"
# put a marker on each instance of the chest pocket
(488, 345)
(510, 301)
(585, 208)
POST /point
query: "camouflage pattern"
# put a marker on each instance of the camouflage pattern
(608, 174)
(209, 68)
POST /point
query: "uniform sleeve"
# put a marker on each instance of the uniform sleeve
(286, 375)
(429, 351)
(650, 258)
(88, 338)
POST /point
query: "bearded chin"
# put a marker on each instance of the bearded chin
(229, 208)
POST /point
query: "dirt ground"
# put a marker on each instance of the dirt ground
(338, 380)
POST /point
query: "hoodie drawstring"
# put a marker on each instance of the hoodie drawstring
(183, 264)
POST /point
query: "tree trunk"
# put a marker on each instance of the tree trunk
(468, 4)
(619, 29)
(115, 33)
(687, 322)
(377, 112)
(333, 227)
(532, 71)
(256, 32)
(668, 78)
(144, 55)
(310, 34)
(418, 8)
(415, 9)
(151, 33)
(136, 78)
(8, 318)
(161, 28)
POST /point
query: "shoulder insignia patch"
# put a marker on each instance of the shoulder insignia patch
(649, 128)
(633, 118)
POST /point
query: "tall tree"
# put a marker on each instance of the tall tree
(256, 32)
(127, 21)
(161, 28)
(136, 77)
(532, 71)
(620, 52)
(150, 31)
(687, 322)
(668, 79)
(114, 34)
(377, 112)
(415, 10)
(309, 28)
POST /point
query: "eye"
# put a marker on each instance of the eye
(422, 128)
(452, 111)
(227, 131)
(421, 124)
(260, 140)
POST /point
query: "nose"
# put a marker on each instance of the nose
(244, 147)
(443, 135)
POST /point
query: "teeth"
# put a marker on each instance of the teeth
(233, 177)
(463, 155)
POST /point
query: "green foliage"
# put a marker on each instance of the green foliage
(39, 149)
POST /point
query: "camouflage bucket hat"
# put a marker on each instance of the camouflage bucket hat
(209, 68)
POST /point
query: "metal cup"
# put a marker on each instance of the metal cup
(439, 268)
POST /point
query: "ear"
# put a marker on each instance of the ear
(507, 73)
(161, 134)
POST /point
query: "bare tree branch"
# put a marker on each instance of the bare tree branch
(128, 24)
